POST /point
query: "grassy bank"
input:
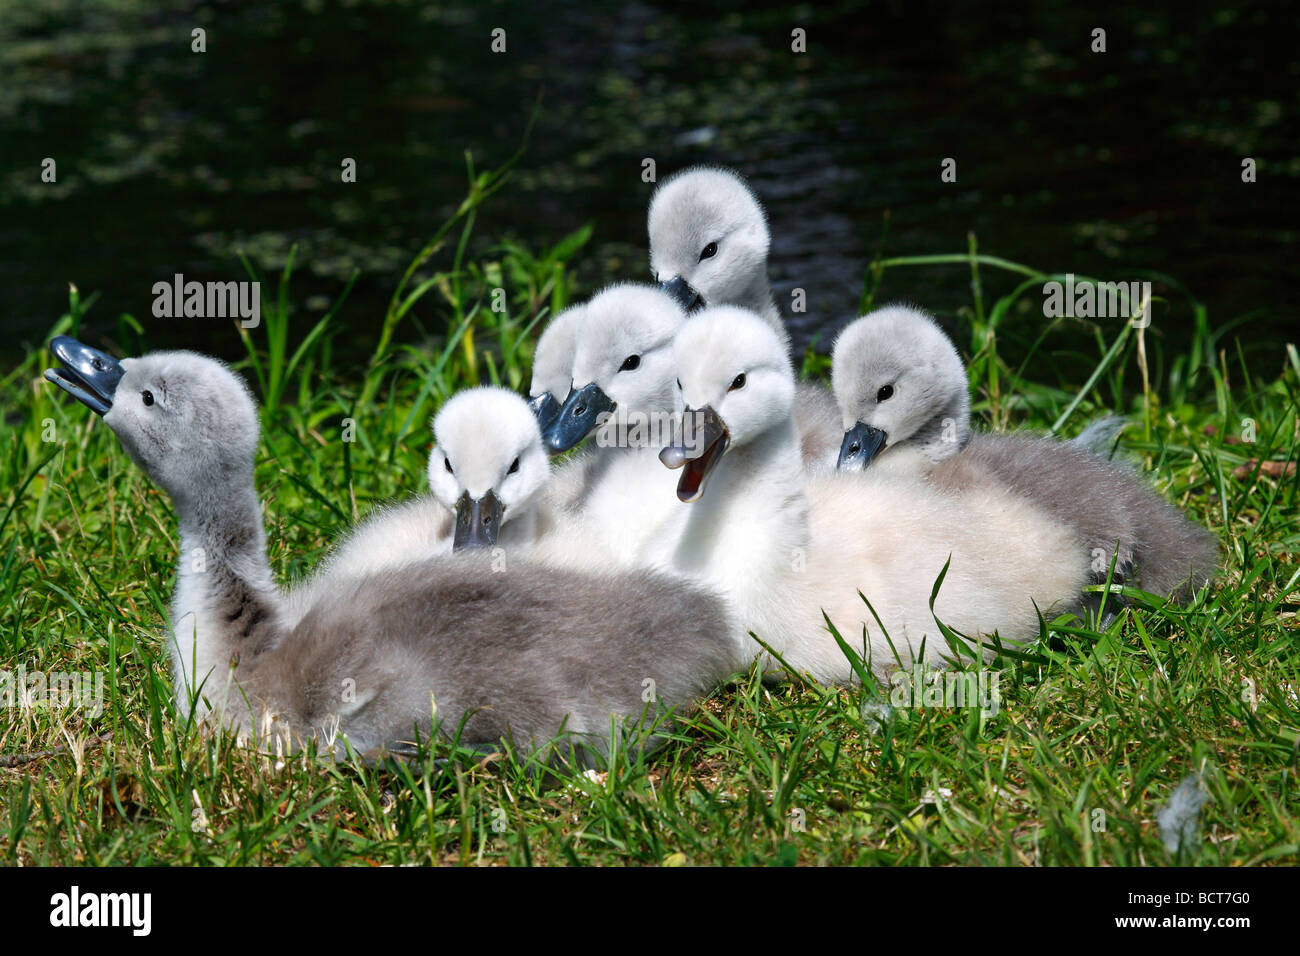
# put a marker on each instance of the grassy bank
(1094, 730)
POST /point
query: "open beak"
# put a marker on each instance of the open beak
(684, 294)
(702, 443)
(88, 375)
(545, 409)
(576, 419)
(478, 522)
(861, 444)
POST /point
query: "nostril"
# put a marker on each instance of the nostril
(579, 410)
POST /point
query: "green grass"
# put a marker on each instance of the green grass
(1094, 730)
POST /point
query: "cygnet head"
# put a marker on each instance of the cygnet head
(488, 464)
(553, 364)
(736, 383)
(899, 381)
(186, 419)
(623, 361)
(709, 240)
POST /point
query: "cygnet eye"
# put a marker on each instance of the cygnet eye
(630, 363)
(737, 382)
(147, 397)
(886, 392)
(446, 463)
(709, 251)
(514, 466)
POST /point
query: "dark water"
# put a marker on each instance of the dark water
(169, 160)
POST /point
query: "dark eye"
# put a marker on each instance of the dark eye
(629, 363)
(446, 463)
(737, 382)
(147, 397)
(886, 392)
(709, 252)
(514, 466)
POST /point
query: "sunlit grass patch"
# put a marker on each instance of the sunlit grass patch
(1093, 730)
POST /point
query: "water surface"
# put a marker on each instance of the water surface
(169, 161)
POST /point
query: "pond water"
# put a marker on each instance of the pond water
(1096, 163)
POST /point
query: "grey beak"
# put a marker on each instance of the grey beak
(88, 375)
(684, 294)
(576, 419)
(697, 450)
(861, 444)
(545, 409)
(478, 522)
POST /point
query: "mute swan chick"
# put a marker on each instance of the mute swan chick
(709, 242)
(553, 364)
(708, 246)
(622, 361)
(614, 494)
(903, 395)
(783, 546)
(488, 467)
(521, 654)
(488, 438)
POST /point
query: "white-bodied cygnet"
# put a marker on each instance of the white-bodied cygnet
(783, 545)
(523, 655)
(488, 467)
(708, 246)
(553, 364)
(487, 473)
(904, 399)
(613, 493)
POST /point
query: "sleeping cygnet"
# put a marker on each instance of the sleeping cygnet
(903, 395)
(784, 546)
(708, 246)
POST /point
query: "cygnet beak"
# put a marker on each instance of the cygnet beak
(684, 294)
(577, 418)
(89, 375)
(478, 522)
(861, 444)
(703, 440)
